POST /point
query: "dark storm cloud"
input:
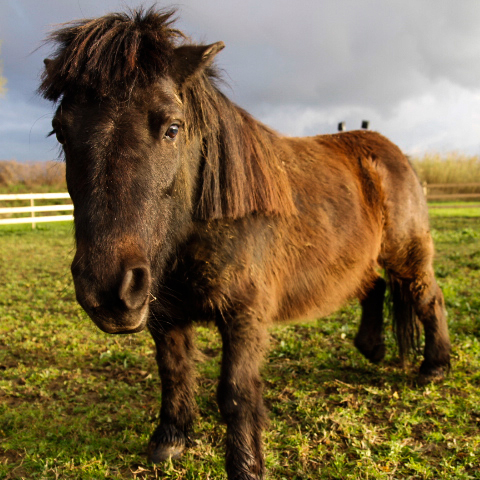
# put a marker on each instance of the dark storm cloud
(301, 66)
(372, 52)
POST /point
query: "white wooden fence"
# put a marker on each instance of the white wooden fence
(32, 209)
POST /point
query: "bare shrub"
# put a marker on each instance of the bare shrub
(32, 174)
(7, 174)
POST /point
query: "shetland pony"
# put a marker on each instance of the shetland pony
(188, 209)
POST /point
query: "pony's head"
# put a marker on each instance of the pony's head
(151, 147)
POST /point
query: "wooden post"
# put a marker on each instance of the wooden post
(425, 189)
(32, 204)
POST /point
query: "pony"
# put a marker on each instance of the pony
(187, 210)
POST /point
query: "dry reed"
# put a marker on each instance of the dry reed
(452, 168)
(448, 168)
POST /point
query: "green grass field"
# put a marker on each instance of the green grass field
(76, 403)
(454, 209)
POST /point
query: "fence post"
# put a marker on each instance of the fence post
(32, 204)
(425, 189)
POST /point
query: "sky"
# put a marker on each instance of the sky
(410, 67)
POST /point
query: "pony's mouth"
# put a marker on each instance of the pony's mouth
(117, 322)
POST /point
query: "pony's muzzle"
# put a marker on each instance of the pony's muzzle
(116, 305)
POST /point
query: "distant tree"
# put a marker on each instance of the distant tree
(3, 80)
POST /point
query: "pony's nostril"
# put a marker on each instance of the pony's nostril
(134, 288)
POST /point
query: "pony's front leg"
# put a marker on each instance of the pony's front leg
(240, 396)
(175, 352)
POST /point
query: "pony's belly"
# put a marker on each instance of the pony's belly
(316, 300)
(310, 315)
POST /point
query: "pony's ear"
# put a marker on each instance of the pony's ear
(48, 65)
(190, 59)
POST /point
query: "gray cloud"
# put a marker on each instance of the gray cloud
(412, 67)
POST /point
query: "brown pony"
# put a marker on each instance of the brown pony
(187, 209)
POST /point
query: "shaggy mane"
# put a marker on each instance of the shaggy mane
(241, 169)
(111, 53)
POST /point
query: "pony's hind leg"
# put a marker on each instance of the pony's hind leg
(430, 309)
(421, 298)
(369, 339)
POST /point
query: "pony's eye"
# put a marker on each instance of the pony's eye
(172, 131)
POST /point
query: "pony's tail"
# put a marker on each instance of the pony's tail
(405, 323)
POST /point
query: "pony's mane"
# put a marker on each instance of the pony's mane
(240, 171)
(110, 53)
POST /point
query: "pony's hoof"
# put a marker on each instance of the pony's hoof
(430, 375)
(375, 354)
(166, 443)
(378, 353)
(160, 453)
(247, 476)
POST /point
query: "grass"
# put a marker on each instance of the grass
(76, 403)
(454, 209)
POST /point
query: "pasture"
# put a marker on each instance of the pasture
(76, 403)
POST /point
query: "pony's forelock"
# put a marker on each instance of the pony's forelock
(111, 53)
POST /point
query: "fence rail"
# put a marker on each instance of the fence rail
(33, 209)
(452, 185)
(428, 187)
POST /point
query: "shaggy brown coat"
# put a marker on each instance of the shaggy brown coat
(187, 209)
